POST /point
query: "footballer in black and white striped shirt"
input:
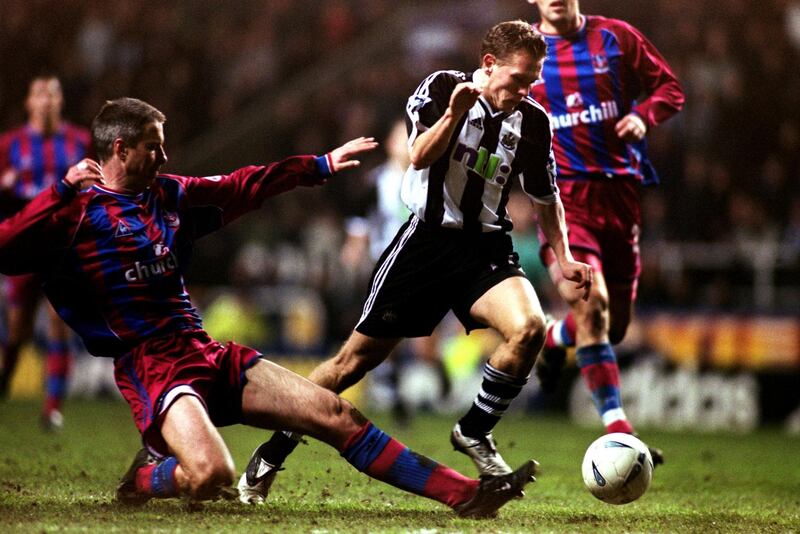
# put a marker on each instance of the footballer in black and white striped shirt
(470, 135)
(492, 143)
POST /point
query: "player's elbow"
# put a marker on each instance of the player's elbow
(419, 162)
(677, 96)
(422, 154)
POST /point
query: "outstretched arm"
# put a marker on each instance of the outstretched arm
(342, 158)
(218, 200)
(551, 220)
(339, 159)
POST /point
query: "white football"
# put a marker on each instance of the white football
(617, 468)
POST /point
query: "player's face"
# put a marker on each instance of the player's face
(510, 78)
(557, 12)
(143, 161)
(45, 99)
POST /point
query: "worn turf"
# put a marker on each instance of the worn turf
(711, 482)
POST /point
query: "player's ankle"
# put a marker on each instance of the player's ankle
(620, 425)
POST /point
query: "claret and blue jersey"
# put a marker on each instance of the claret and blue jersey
(132, 250)
(113, 263)
(590, 80)
(37, 161)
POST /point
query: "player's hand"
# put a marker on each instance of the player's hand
(464, 97)
(7, 179)
(631, 128)
(580, 273)
(341, 157)
(85, 173)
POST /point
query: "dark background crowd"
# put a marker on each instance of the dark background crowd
(253, 81)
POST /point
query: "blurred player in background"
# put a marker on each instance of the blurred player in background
(470, 136)
(112, 258)
(32, 158)
(596, 69)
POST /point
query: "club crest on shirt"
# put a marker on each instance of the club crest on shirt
(122, 229)
(417, 102)
(389, 316)
(509, 141)
(599, 63)
(574, 100)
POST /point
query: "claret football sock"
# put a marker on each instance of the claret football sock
(598, 365)
(59, 361)
(375, 453)
(561, 333)
(158, 479)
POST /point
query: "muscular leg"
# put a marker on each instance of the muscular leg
(204, 463)
(357, 356)
(592, 317)
(309, 409)
(199, 466)
(512, 308)
(275, 397)
(561, 333)
(596, 357)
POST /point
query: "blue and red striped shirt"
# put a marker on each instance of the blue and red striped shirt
(113, 263)
(591, 79)
(32, 162)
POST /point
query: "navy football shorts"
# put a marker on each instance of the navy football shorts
(427, 271)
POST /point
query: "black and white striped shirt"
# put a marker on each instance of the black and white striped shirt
(468, 186)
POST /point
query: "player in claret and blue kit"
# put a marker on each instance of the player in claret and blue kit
(112, 258)
(604, 85)
(32, 158)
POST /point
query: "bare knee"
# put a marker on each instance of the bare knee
(206, 476)
(594, 317)
(528, 337)
(341, 421)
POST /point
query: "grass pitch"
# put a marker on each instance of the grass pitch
(711, 482)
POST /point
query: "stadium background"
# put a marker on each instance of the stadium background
(717, 340)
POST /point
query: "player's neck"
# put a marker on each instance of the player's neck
(122, 187)
(45, 125)
(118, 181)
(561, 27)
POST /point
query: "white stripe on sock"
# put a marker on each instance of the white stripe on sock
(617, 414)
